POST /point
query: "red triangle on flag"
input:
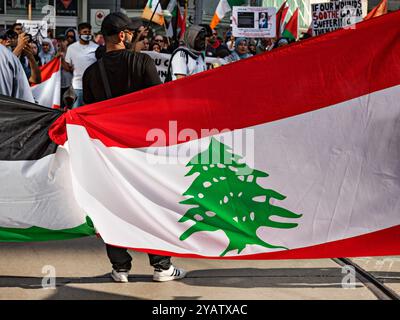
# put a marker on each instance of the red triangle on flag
(66, 3)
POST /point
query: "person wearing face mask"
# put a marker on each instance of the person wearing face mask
(189, 59)
(80, 55)
(118, 72)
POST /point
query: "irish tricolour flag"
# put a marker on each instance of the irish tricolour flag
(48, 92)
(153, 12)
(224, 6)
(299, 162)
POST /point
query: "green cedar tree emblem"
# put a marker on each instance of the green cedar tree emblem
(222, 198)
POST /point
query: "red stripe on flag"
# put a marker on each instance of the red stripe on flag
(381, 243)
(303, 77)
(280, 18)
(49, 69)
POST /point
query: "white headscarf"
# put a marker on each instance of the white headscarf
(47, 57)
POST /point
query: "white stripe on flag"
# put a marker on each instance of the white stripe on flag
(48, 93)
(331, 164)
(39, 193)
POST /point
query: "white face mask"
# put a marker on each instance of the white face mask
(86, 37)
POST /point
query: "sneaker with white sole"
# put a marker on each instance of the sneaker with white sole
(173, 273)
(119, 276)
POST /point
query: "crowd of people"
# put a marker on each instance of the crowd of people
(79, 48)
(113, 63)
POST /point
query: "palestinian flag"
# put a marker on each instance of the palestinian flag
(37, 202)
(280, 18)
(177, 24)
(48, 92)
(224, 6)
(225, 168)
(379, 10)
(153, 12)
(291, 31)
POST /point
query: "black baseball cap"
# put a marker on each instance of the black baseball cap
(116, 22)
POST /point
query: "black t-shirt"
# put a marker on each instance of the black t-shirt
(118, 65)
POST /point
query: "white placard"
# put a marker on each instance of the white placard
(254, 22)
(161, 61)
(333, 15)
(36, 28)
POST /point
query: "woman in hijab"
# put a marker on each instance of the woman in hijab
(241, 51)
(47, 53)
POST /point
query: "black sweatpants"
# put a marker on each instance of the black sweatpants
(121, 259)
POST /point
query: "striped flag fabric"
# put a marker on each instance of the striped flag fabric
(280, 18)
(36, 196)
(153, 12)
(292, 27)
(48, 92)
(224, 6)
(379, 10)
(178, 12)
(310, 173)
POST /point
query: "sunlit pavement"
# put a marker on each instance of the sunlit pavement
(82, 272)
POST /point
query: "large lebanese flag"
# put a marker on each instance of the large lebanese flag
(48, 92)
(307, 166)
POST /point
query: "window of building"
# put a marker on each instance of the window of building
(140, 4)
(20, 7)
(133, 4)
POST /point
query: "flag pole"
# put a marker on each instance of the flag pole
(30, 10)
(165, 29)
(154, 12)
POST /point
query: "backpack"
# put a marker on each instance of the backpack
(168, 78)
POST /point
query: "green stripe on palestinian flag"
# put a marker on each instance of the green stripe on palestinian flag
(291, 31)
(36, 196)
(34, 234)
(309, 174)
(224, 6)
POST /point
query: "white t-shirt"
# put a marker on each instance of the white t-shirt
(81, 57)
(179, 66)
(13, 81)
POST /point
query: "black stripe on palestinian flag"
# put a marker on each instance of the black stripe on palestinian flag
(24, 130)
(36, 197)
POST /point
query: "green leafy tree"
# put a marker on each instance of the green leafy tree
(225, 196)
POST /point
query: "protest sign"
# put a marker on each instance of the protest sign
(254, 22)
(161, 61)
(329, 16)
(36, 28)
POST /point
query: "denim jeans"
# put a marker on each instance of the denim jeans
(79, 98)
(121, 259)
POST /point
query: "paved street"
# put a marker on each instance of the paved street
(82, 271)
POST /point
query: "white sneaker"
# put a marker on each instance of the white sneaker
(172, 273)
(119, 276)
